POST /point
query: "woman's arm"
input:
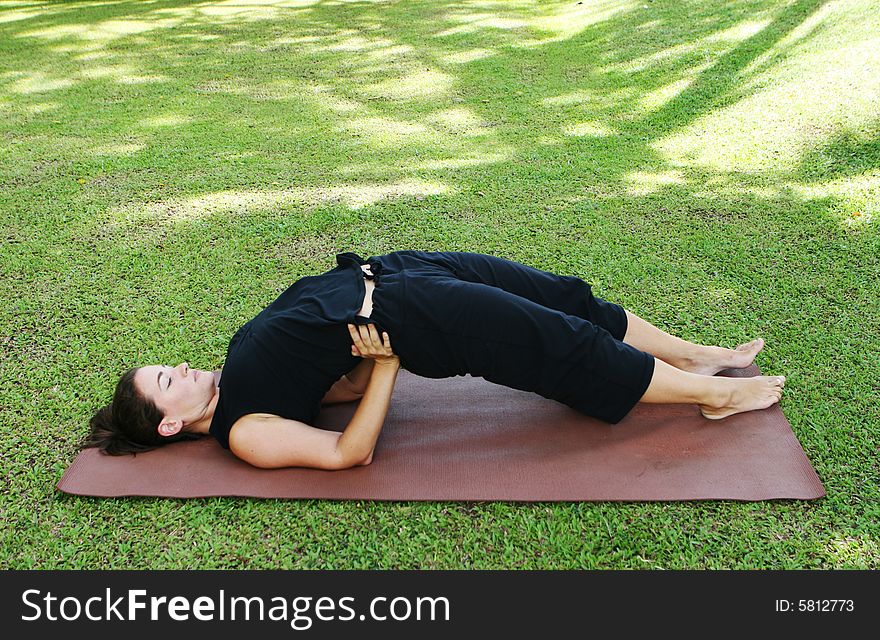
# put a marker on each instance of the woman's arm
(359, 438)
(271, 441)
(352, 385)
(360, 375)
(341, 391)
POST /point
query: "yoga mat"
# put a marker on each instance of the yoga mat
(467, 439)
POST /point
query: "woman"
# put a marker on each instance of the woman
(329, 338)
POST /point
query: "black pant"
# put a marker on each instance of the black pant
(450, 313)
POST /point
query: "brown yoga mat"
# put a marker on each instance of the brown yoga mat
(467, 439)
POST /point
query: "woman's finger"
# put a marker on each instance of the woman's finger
(365, 335)
(356, 338)
(374, 336)
(371, 347)
(386, 340)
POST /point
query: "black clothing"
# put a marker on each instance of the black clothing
(447, 314)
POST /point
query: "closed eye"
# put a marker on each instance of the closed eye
(159, 378)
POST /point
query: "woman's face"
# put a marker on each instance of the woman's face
(179, 392)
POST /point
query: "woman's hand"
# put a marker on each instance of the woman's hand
(367, 344)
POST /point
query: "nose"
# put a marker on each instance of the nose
(184, 366)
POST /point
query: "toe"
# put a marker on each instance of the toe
(754, 345)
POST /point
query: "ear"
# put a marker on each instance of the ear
(170, 426)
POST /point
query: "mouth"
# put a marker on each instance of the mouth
(195, 375)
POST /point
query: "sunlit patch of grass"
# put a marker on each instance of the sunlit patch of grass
(168, 120)
(248, 202)
(118, 149)
(565, 21)
(38, 82)
(420, 85)
(463, 57)
(581, 129)
(855, 552)
(825, 82)
(642, 183)
(102, 32)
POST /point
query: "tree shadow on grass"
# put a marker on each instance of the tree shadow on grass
(324, 127)
(347, 89)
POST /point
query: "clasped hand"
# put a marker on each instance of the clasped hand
(368, 344)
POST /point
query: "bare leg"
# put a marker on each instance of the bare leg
(718, 397)
(684, 355)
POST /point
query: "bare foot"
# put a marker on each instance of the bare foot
(711, 360)
(744, 394)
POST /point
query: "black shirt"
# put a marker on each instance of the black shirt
(284, 360)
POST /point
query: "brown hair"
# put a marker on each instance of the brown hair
(129, 424)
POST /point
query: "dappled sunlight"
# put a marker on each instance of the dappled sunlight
(124, 74)
(849, 551)
(88, 56)
(279, 4)
(118, 149)
(101, 32)
(37, 82)
(42, 107)
(324, 98)
(286, 40)
(240, 10)
(582, 129)
(858, 197)
(456, 31)
(484, 19)
(12, 16)
(642, 183)
(346, 41)
(557, 22)
(444, 129)
(468, 158)
(450, 131)
(459, 121)
(714, 43)
(358, 43)
(546, 141)
(721, 295)
(474, 160)
(655, 99)
(385, 132)
(245, 202)
(201, 37)
(770, 129)
(463, 57)
(389, 52)
(276, 90)
(814, 91)
(572, 19)
(418, 85)
(169, 120)
(817, 20)
(389, 80)
(591, 98)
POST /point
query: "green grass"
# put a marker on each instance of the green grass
(167, 168)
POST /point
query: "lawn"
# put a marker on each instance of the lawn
(167, 168)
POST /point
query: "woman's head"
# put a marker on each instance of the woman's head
(152, 406)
